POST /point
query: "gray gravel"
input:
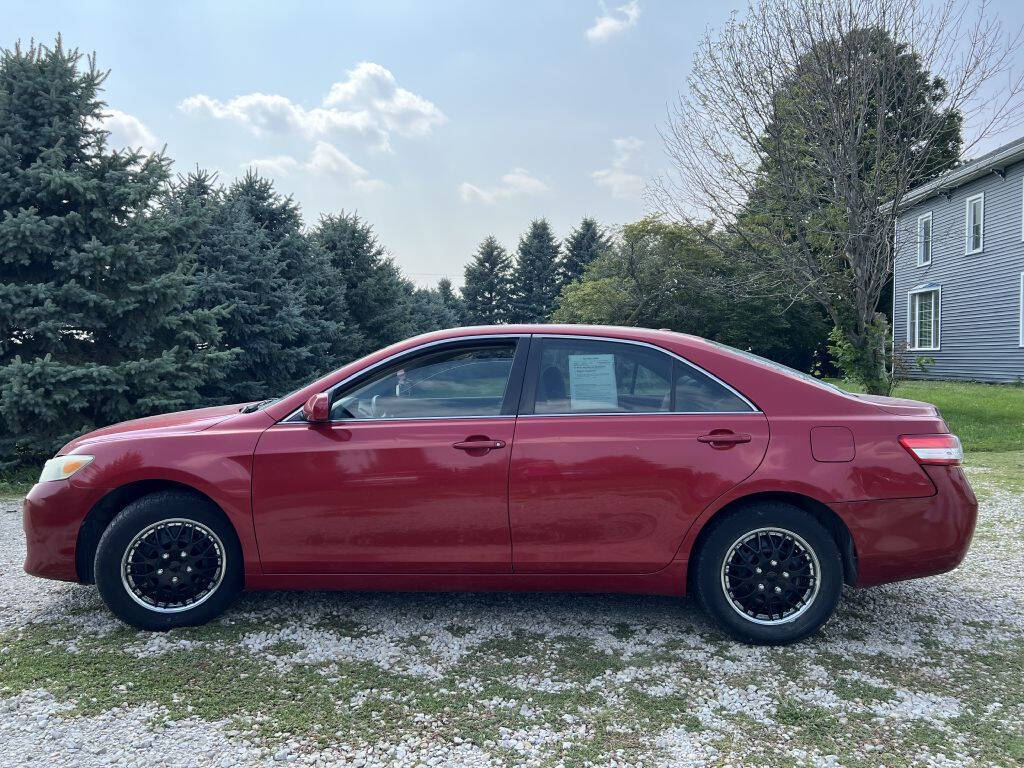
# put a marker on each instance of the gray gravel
(895, 647)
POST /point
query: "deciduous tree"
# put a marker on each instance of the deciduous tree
(805, 124)
(664, 275)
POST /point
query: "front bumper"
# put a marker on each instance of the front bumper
(52, 515)
(899, 539)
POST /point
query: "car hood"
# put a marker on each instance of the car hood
(900, 406)
(166, 423)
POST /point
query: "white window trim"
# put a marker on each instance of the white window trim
(967, 224)
(920, 241)
(1022, 210)
(1020, 340)
(895, 262)
(937, 340)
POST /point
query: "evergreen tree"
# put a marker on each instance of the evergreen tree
(378, 297)
(240, 268)
(486, 288)
(429, 310)
(535, 283)
(451, 299)
(584, 244)
(322, 341)
(97, 318)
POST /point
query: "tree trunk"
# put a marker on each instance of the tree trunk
(865, 357)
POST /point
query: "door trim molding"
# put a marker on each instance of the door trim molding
(291, 417)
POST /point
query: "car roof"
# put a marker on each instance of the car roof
(651, 335)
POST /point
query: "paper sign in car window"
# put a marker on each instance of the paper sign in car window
(592, 383)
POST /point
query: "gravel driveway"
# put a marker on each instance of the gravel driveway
(929, 672)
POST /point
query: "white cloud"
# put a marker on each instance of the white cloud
(368, 102)
(127, 131)
(515, 183)
(278, 165)
(612, 23)
(397, 109)
(324, 160)
(618, 179)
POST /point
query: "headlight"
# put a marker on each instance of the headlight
(63, 467)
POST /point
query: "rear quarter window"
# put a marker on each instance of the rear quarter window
(696, 392)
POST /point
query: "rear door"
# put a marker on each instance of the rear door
(619, 446)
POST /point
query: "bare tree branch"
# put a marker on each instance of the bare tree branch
(804, 118)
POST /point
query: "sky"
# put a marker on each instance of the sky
(438, 122)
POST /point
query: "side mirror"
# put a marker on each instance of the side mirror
(317, 409)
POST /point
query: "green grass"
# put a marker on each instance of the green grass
(986, 417)
(1005, 470)
(16, 483)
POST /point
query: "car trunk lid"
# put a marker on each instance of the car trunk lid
(899, 406)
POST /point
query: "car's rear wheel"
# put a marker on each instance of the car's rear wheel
(169, 559)
(768, 573)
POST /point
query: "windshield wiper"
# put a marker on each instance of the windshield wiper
(256, 406)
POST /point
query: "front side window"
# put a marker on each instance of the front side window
(975, 223)
(923, 332)
(592, 376)
(452, 382)
(924, 240)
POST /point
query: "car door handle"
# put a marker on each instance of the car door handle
(723, 438)
(479, 445)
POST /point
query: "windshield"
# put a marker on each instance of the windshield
(780, 368)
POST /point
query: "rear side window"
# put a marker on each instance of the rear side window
(591, 376)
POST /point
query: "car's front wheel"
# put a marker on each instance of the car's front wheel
(167, 560)
(768, 573)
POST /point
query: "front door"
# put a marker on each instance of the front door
(618, 448)
(410, 475)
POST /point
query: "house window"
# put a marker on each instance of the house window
(924, 240)
(975, 223)
(923, 308)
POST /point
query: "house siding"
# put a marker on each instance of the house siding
(979, 326)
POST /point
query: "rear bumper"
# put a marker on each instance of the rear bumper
(899, 539)
(52, 515)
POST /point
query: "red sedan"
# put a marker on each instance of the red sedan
(566, 458)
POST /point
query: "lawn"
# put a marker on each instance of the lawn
(986, 417)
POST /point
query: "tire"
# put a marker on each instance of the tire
(790, 603)
(188, 542)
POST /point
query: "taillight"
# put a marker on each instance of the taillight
(934, 449)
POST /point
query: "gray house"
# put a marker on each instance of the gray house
(958, 286)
